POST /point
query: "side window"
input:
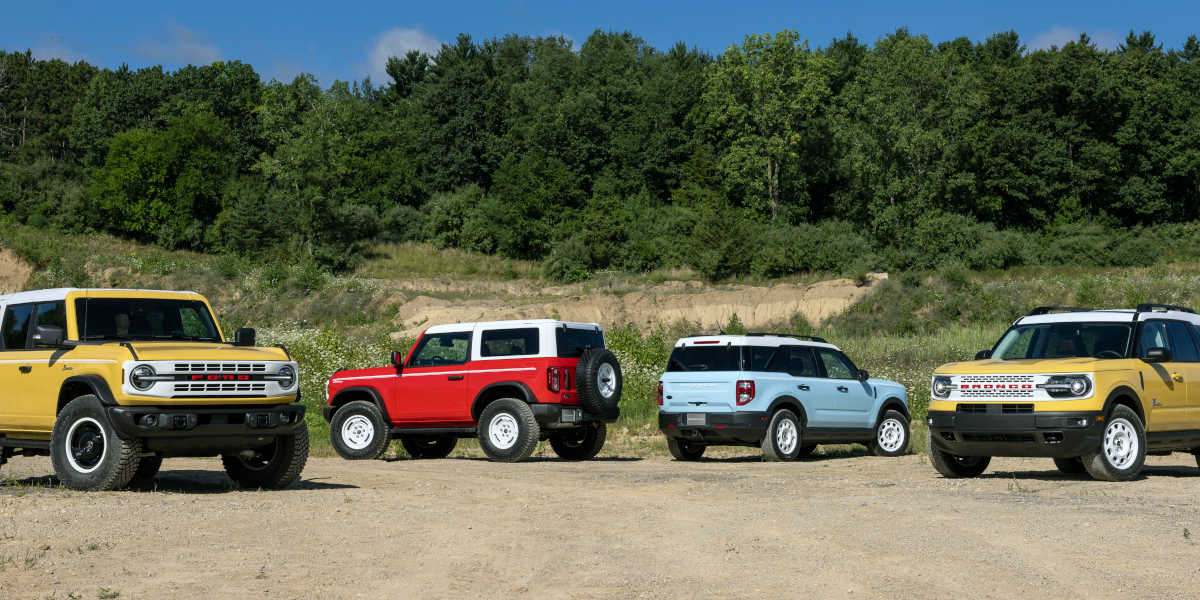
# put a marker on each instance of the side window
(16, 326)
(442, 349)
(509, 342)
(837, 366)
(52, 313)
(1183, 347)
(795, 361)
(756, 358)
(1154, 335)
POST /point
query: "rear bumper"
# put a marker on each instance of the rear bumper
(994, 433)
(558, 416)
(735, 428)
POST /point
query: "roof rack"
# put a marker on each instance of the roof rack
(1045, 310)
(1150, 306)
(791, 335)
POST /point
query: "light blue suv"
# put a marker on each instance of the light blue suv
(784, 393)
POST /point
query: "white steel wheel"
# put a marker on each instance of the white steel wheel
(606, 380)
(503, 431)
(890, 436)
(86, 445)
(357, 432)
(786, 436)
(1120, 443)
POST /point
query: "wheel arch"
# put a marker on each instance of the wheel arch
(82, 385)
(497, 390)
(792, 403)
(892, 403)
(360, 392)
(1126, 395)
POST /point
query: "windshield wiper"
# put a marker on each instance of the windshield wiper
(186, 338)
(118, 338)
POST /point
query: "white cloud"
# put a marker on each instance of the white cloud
(397, 42)
(1059, 36)
(54, 46)
(183, 46)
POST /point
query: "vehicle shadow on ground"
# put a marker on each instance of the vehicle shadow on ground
(1056, 475)
(534, 459)
(180, 481)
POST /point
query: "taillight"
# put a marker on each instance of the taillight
(660, 393)
(745, 392)
(553, 380)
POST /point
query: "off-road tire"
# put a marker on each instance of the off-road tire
(783, 438)
(84, 418)
(428, 446)
(147, 469)
(953, 467)
(1070, 466)
(514, 423)
(684, 450)
(358, 431)
(580, 443)
(887, 426)
(1121, 428)
(288, 454)
(806, 451)
(599, 397)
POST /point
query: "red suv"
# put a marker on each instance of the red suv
(511, 383)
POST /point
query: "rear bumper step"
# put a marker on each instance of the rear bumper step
(736, 428)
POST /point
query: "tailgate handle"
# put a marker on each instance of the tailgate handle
(455, 377)
(842, 388)
(803, 388)
(24, 368)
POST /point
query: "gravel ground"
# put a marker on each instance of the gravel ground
(831, 527)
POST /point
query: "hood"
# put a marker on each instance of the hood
(204, 351)
(885, 384)
(1026, 365)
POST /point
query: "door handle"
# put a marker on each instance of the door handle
(455, 377)
(842, 388)
(1176, 376)
(803, 388)
(24, 368)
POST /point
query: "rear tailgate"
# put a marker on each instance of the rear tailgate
(699, 391)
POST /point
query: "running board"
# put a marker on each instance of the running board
(7, 442)
(459, 431)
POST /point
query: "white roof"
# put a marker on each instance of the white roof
(1118, 315)
(61, 294)
(453, 327)
(768, 340)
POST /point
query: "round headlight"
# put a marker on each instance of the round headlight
(287, 376)
(941, 387)
(1079, 386)
(140, 376)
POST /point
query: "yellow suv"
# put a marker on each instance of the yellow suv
(1096, 390)
(109, 382)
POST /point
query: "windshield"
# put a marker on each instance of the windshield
(144, 319)
(1065, 340)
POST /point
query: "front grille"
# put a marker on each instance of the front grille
(1016, 409)
(996, 379)
(996, 393)
(220, 387)
(997, 437)
(202, 367)
(972, 408)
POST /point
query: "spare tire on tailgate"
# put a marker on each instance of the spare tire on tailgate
(598, 382)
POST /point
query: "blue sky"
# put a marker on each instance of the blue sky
(349, 40)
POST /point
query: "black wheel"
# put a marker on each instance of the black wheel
(274, 466)
(684, 450)
(806, 450)
(953, 466)
(146, 470)
(1070, 466)
(580, 443)
(358, 431)
(428, 446)
(891, 435)
(1122, 450)
(508, 431)
(86, 451)
(598, 381)
(782, 439)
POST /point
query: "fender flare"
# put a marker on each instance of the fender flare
(892, 402)
(792, 400)
(370, 391)
(1124, 390)
(95, 383)
(527, 395)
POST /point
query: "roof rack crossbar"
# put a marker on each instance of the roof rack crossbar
(1045, 310)
(1150, 306)
(791, 335)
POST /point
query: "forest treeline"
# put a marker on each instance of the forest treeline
(772, 158)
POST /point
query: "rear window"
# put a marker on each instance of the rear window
(572, 341)
(509, 342)
(705, 358)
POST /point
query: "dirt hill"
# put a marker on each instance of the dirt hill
(13, 272)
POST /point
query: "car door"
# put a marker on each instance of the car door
(433, 384)
(1165, 395)
(30, 383)
(793, 371)
(842, 400)
(1185, 357)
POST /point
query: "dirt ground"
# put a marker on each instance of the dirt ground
(13, 272)
(829, 527)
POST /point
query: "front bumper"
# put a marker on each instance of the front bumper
(232, 420)
(996, 433)
(736, 428)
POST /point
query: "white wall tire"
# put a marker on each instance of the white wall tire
(86, 451)
(1122, 449)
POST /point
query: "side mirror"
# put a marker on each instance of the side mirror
(244, 337)
(1157, 355)
(397, 360)
(863, 375)
(983, 355)
(48, 335)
